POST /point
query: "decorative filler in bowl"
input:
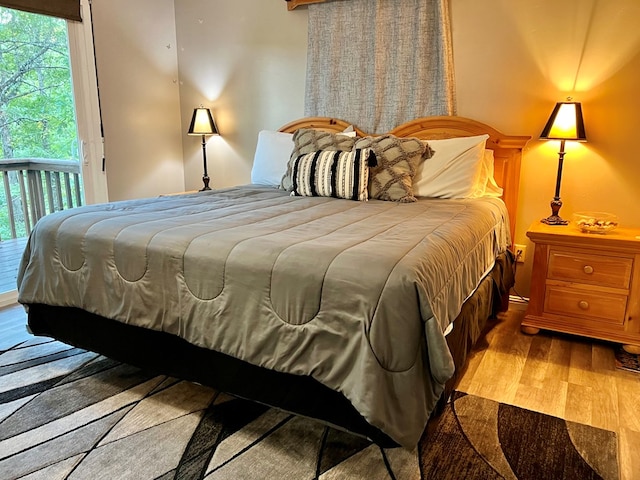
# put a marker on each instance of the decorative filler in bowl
(595, 222)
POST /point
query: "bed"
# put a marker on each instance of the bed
(359, 314)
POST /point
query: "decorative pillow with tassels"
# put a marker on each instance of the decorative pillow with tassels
(328, 173)
(398, 159)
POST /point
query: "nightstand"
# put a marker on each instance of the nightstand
(585, 284)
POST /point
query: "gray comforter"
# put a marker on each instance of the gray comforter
(355, 294)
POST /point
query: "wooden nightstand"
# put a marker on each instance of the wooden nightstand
(585, 284)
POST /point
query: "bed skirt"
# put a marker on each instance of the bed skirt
(170, 355)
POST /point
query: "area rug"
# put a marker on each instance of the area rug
(627, 361)
(66, 413)
(483, 439)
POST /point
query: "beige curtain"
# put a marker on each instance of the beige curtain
(69, 9)
(379, 63)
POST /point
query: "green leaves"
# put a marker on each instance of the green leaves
(37, 117)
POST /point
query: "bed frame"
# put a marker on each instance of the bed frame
(170, 355)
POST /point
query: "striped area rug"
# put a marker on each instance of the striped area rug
(69, 413)
(627, 361)
(66, 413)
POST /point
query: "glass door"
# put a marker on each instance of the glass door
(48, 131)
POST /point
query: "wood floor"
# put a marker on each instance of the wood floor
(12, 327)
(10, 255)
(563, 376)
(560, 375)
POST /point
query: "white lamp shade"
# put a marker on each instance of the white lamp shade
(202, 123)
(565, 123)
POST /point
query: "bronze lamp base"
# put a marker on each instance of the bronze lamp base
(554, 218)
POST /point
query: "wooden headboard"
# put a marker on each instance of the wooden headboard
(507, 149)
(291, 4)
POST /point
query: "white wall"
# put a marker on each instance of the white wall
(137, 66)
(246, 60)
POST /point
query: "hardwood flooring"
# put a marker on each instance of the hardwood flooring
(559, 375)
(10, 255)
(13, 331)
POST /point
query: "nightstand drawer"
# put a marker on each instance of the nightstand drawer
(605, 307)
(606, 271)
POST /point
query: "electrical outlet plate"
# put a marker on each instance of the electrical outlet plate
(521, 253)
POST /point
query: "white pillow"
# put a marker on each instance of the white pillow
(455, 169)
(486, 176)
(349, 131)
(272, 155)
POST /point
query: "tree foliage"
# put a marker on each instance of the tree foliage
(37, 116)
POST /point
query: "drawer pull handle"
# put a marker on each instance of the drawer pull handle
(588, 269)
(583, 304)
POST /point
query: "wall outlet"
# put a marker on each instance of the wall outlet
(521, 253)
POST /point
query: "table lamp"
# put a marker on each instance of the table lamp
(202, 123)
(565, 123)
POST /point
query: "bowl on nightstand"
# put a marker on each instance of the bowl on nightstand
(595, 222)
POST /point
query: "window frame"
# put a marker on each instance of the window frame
(87, 106)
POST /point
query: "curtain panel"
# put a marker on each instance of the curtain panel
(69, 9)
(379, 63)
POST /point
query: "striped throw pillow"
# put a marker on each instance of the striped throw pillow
(309, 140)
(327, 173)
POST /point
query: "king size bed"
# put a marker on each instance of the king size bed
(357, 313)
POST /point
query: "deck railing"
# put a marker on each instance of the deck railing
(34, 187)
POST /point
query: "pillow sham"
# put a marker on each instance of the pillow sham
(273, 152)
(492, 189)
(309, 140)
(398, 159)
(349, 131)
(330, 173)
(454, 171)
